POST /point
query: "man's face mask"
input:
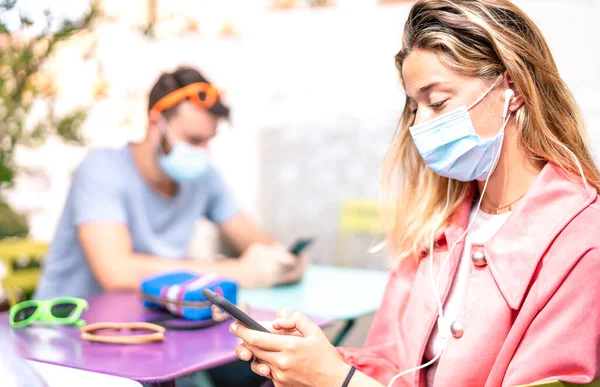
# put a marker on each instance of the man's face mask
(451, 147)
(184, 163)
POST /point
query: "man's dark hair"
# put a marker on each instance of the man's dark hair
(183, 76)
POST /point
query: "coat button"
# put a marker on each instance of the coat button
(457, 329)
(478, 259)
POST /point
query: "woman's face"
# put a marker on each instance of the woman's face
(433, 89)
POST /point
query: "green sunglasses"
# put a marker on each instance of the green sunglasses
(64, 310)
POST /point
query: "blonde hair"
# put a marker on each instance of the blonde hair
(480, 38)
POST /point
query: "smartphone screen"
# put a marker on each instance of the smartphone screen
(300, 245)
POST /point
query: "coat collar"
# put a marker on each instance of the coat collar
(513, 253)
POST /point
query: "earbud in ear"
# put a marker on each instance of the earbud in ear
(508, 94)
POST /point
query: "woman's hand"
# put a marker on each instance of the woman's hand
(284, 324)
(303, 359)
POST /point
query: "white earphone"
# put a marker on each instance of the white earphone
(508, 94)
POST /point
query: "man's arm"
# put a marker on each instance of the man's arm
(241, 232)
(108, 249)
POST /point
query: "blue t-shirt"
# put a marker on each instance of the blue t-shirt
(108, 187)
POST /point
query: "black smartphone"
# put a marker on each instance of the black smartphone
(233, 310)
(300, 245)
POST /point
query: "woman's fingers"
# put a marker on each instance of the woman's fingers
(246, 353)
(296, 321)
(264, 356)
(262, 340)
(243, 353)
(261, 368)
(257, 366)
(290, 360)
(305, 326)
(284, 323)
(287, 332)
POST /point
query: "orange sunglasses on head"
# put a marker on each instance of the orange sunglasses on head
(191, 92)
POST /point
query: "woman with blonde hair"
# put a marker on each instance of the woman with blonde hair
(496, 222)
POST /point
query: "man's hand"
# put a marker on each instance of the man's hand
(264, 265)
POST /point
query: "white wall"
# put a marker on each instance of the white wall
(287, 67)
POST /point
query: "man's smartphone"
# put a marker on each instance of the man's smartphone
(300, 245)
(233, 310)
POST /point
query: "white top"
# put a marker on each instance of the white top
(483, 227)
(60, 376)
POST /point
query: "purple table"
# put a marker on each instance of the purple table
(183, 353)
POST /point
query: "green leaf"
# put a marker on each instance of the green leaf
(69, 27)
(25, 21)
(39, 131)
(12, 224)
(37, 136)
(6, 173)
(8, 4)
(68, 127)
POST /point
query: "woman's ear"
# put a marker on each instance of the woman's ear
(516, 101)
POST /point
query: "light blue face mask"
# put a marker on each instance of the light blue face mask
(451, 147)
(185, 162)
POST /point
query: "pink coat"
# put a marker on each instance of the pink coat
(531, 311)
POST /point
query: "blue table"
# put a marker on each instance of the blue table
(325, 291)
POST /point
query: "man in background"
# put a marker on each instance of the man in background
(130, 212)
